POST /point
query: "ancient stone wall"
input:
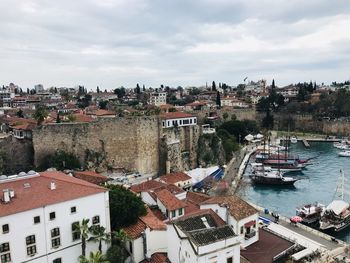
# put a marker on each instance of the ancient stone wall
(17, 155)
(131, 143)
(179, 148)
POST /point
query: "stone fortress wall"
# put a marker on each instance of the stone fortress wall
(131, 143)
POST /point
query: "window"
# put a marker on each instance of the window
(180, 211)
(55, 237)
(96, 220)
(57, 260)
(5, 255)
(5, 228)
(75, 231)
(73, 209)
(31, 246)
(173, 213)
(195, 120)
(241, 229)
(36, 219)
(52, 215)
(229, 260)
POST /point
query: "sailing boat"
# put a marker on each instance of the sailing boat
(336, 216)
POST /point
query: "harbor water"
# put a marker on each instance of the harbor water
(318, 184)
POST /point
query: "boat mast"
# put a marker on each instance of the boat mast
(342, 185)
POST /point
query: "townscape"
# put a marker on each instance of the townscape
(164, 190)
(174, 131)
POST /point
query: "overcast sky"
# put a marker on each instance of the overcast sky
(109, 43)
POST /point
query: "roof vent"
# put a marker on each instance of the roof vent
(205, 222)
(31, 172)
(52, 186)
(22, 174)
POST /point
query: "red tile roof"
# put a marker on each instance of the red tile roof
(238, 208)
(169, 200)
(104, 113)
(39, 194)
(175, 115)
(146, 186)
(157, 258)
(174, 178)
(25, 126)
(91, 177)
(149, 220)
(196, 198)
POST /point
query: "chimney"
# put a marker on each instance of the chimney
(52, 186)
(6, 197)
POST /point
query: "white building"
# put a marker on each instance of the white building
(158, 98)
(38, 212)
(147, 237)
(241, 216)
(233, 102)
(202, 237)
(178, 119)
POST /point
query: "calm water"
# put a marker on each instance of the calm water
(318, 184)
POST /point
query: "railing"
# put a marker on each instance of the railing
(250, 235)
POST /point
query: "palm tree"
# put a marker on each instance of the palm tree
(96, 257)
(120, 237)
(98, 235)
(83, 229)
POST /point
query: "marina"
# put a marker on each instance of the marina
(317, 185)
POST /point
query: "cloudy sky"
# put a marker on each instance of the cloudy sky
(110, 43)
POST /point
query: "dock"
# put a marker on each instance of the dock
(306, 144)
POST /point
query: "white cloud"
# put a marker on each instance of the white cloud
(122, 42)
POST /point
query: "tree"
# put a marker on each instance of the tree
(225, 116)
(120, 92)
(116, 254)
(125, 207)
(96, 257)
(40, 114)
(103, 104)
(61, 160)
(83, 229)
(58, 120)
(99, 235)
(98, 89)
(3, 161)
(218, 99)
(19, 113)
(213, 87)
(138, 89)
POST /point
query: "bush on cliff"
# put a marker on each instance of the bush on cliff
(61, 160)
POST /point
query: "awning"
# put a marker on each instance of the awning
(250, 223)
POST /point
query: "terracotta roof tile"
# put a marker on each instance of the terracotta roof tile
(238, 208)
(134, 231)
(91, 177)
(176, 115)
(146, 186)
(169, 200)
(157, 258)
(149, 220)
(39, 194)
(174, 178)
(196, 198)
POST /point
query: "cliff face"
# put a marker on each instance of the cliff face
(179, 148)
(15, 155)
(210, 150)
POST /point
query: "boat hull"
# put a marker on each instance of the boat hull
(272, 181)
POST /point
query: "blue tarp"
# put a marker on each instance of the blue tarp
(216, 176)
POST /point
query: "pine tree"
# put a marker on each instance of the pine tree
(58, 120)
(213, 87)
(218, 99)
(98, 89)
(138, 89)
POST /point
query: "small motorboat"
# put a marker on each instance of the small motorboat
(310, 213)
(344, 154)
(293, 139)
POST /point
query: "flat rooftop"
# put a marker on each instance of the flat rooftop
(268, 246)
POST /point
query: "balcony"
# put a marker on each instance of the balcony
(250, 235)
